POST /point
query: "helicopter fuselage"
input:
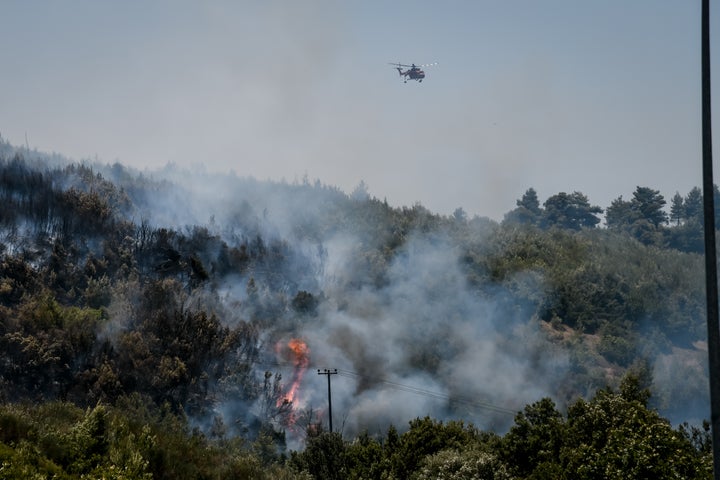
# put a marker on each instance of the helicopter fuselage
(412, 73)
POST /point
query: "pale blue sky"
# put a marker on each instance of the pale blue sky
(595, 96)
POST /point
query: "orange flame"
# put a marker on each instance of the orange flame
(298, 352)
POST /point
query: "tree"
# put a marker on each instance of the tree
(459, 215)
(571, 211)
(619, 214)
(360, 193)
(535, 441)
(323, 457)
(305, 303)
(677, 208)
(364, 458)
(426, 437)
(528, 209)
(466, 464)
(530, 202)
(694, 205)
(649, 203)
(615, 436)
(648, 216)
(642, 217)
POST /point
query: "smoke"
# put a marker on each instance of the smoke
(425, 344)
(681, 385)
(407, 332)
(409, 336)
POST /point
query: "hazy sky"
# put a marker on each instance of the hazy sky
(594, 96)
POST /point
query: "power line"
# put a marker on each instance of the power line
(430, 393)
(410, 389)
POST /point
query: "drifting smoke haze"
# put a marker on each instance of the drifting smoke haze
(409, 335)
(338, 281)
(422, 342)
(472, 349)
(525, 94)
(306, 274)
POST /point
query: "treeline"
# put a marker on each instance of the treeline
(124, 337)
(643, 217)
(68, 204)
(612, 436)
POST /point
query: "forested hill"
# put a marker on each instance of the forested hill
(216, 298)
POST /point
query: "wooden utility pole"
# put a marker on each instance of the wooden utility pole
(328, 372)
(711, 286)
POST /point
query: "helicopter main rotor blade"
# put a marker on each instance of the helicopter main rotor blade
(413, 65)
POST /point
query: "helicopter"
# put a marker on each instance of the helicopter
(413, 72)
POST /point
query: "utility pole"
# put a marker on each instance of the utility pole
(711, 286)
(328, 372)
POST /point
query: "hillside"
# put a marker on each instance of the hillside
(218, 298)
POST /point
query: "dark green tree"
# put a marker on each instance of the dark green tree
(616, 436)
(694, 205)
(323, 457)
(642, 217)
(570, 211)
(533, 444)
(528, 209)
(649, 216)
(365, 458)
(619, 214)
(459, 215)
(426, 437)
(465, 464)
(677, 208)
(649, 204)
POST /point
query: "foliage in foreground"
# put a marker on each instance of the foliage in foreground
(612, 436)
(132, 441)
(114, 326)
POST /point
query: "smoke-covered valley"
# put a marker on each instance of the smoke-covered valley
(421, 314)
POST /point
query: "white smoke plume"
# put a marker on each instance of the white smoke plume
(419, 341)
(426, 344)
